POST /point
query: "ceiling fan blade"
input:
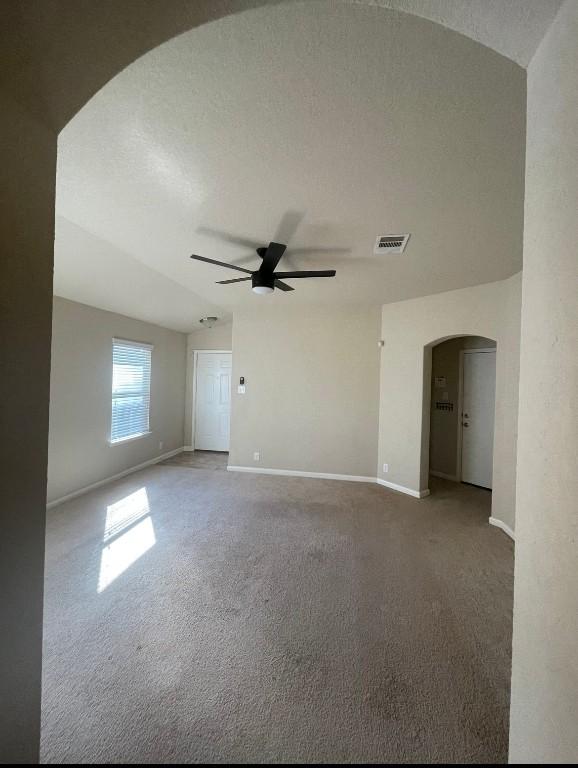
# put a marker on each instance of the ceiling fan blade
(272, 257)
(312, 250)
(288, 226)
(246, 259)
(307, 273)
(227, 237)
(234, 280)
(283, 286)
(221, 264)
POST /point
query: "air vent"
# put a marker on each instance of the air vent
(391, 244)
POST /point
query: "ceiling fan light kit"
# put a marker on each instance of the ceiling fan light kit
(262, 283)
(264, 280)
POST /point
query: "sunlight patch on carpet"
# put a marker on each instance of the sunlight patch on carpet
(128, 534)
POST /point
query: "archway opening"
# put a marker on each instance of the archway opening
(459, 409)
(108, 47)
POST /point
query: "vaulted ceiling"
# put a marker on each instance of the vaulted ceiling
(327, 123)
(513, 28)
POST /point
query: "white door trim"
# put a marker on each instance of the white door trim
(196, 352)
(461, 403)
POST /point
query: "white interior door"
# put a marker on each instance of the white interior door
(212, 401)
(479, 389)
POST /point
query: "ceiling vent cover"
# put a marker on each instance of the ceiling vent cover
(390, 244)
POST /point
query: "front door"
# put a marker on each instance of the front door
(212, 401)
(479, 388)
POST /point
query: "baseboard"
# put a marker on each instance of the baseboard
(503, 526)
(444, 476)
(330, 476)
(298, 473)
(188, 448)
(403, 489)
(259, 471)
(106, 480)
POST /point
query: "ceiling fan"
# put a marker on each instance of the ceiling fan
(265, 279)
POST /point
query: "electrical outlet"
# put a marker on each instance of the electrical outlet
(256, 456)
(386, 468)
(161, 445)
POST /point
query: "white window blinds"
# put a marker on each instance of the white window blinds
(131, 387)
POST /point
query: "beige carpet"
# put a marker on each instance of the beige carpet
(275, 619)
(199, 460)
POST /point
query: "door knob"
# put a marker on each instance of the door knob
(466, 424)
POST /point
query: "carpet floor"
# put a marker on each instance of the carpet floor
(202, 616)
(199, 460)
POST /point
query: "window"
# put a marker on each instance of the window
(131, 387)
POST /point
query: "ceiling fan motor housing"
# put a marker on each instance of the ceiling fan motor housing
(263, 280)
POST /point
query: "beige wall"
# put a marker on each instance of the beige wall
(492, 311)
(544, 708)
(28, 161)
(312, 378)
(218, 337)
(443, 436)
(52, 72)
(79, 452)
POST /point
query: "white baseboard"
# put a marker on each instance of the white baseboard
(255, 470)
(503, 526)
(298, 473)
(403, 489)
(188, 448)
(444, 476)
(330, 476)
(125, 472)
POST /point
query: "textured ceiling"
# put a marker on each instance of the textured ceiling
(513, 28)
(347, 121)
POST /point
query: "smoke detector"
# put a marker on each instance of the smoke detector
(390, 244)
(208, 322)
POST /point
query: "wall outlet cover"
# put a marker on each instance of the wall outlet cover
(256, 456)
(386, 468)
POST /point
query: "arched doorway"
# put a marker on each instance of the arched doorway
(462, 395)
(50, 70)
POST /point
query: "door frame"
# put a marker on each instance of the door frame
(196, 353)
(461, 404)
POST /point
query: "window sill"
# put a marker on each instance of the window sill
(130, 439)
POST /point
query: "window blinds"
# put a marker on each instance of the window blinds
(131, 386)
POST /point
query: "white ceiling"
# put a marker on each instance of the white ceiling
(513, 28)
(351, 121)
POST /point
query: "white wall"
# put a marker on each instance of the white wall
(544, 702)
(312, 388)
(491, 310)
(218, 337)
(79, 452)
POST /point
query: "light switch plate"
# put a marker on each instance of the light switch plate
(241, 389)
